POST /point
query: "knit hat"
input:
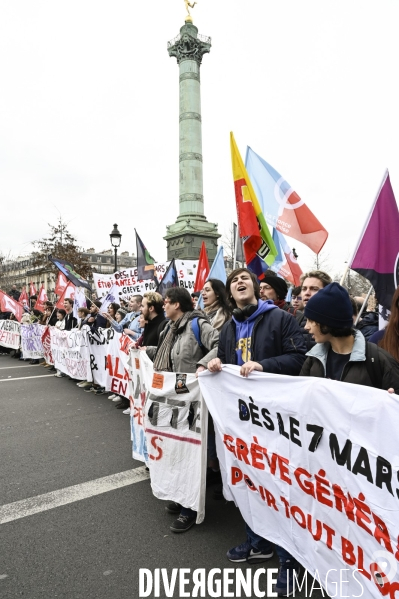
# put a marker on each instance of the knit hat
(331, 306)
(122, 312)
(278, 284)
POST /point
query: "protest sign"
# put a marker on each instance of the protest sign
(137, 403)
(31, 341)
(176, 426)
(46, 342)
(70, 352)
(10, 333)
(312, 469)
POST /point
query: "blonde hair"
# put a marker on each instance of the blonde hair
(154, 299)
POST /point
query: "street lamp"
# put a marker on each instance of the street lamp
(115, 237)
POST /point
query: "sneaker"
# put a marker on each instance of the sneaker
(183, 523)
(116, 398)
(285, 580)
(173, 508)
(99, 391)
(85, 384)
(246, 553)
(127, 411)
(89, 389)
(113, 397)
(58, 375)
(218, 492)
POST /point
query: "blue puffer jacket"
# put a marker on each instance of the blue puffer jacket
(276, 343)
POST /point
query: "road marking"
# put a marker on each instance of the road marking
(22, 378)
(10, 367)
(49, 501)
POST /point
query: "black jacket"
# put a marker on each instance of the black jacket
(276, 343)
(70, 322)
(355, 370)
(310, 342)
(368, 325)
(152, 330)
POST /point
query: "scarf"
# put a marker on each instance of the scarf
(216, 315)
(163, 360)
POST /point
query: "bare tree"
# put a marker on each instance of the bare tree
(60, 244)
(321, 261)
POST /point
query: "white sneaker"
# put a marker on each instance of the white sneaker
(112, 396)
(59, 376)
(127, 411)
(116, 398)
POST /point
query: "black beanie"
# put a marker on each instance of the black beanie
(331, 306)
(278, 284)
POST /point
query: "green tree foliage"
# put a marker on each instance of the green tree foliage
(60, 244)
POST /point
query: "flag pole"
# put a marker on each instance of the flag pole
(366, 299)
(343, 278)
(235, 249)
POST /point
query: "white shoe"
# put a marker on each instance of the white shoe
(127, 411)
(116, 398)
(59, 376)
(112, 396)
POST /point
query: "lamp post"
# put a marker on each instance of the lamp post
(115, 237)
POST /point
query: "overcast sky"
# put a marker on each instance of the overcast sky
(89, 113)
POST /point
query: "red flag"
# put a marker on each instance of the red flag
(41, 299)
(32, 289)
(8, 304)
(61, 283)
(69, 291)
(203, 269)
(23, 298)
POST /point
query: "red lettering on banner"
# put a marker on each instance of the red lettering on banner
(108, 365)
(348, 552)
(159, 454)
(306, 486)
(236, 475)
(242, 451)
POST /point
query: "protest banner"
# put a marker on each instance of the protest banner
(46, 342)
(10, 334)
(70, 352)
(129, 285)
(176, 428)
(312, 469)
(31, 341)
(109, 360)
(137, 404)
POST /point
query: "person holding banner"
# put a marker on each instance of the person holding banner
(179, 351)
(341, 353)
(259, 337)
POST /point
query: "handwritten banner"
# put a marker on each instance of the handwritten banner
(10, 333)
(31, 341)
(70, 352)
(313, 466)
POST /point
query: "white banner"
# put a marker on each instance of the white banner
(129, 285)
(137, 405)
(176, 425)
(70, 352)
(313, 465)
(10, 334)
(31, 340)
(109, 361)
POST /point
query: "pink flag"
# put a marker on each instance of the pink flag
(376, 256)
(32, 289)
(69, 291)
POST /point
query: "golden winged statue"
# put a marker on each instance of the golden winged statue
(188, 6)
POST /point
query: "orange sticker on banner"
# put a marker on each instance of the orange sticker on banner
(137, 363)
(157, 381)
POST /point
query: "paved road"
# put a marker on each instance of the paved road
(54, 436)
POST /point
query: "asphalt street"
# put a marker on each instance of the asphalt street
(53, 435)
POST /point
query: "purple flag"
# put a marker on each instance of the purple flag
(377, 252)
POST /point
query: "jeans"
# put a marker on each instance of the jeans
(264, 545)
(185, 511)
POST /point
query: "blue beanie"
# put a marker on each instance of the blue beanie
(331, 306)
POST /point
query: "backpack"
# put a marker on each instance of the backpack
(373, 365)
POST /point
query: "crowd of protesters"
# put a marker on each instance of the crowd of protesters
(252, 325)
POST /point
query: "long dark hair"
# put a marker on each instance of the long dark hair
(390, 340)
(221, 295)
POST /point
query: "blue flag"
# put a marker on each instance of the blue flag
(169, 279)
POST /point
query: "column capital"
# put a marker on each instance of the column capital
(189, 44)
